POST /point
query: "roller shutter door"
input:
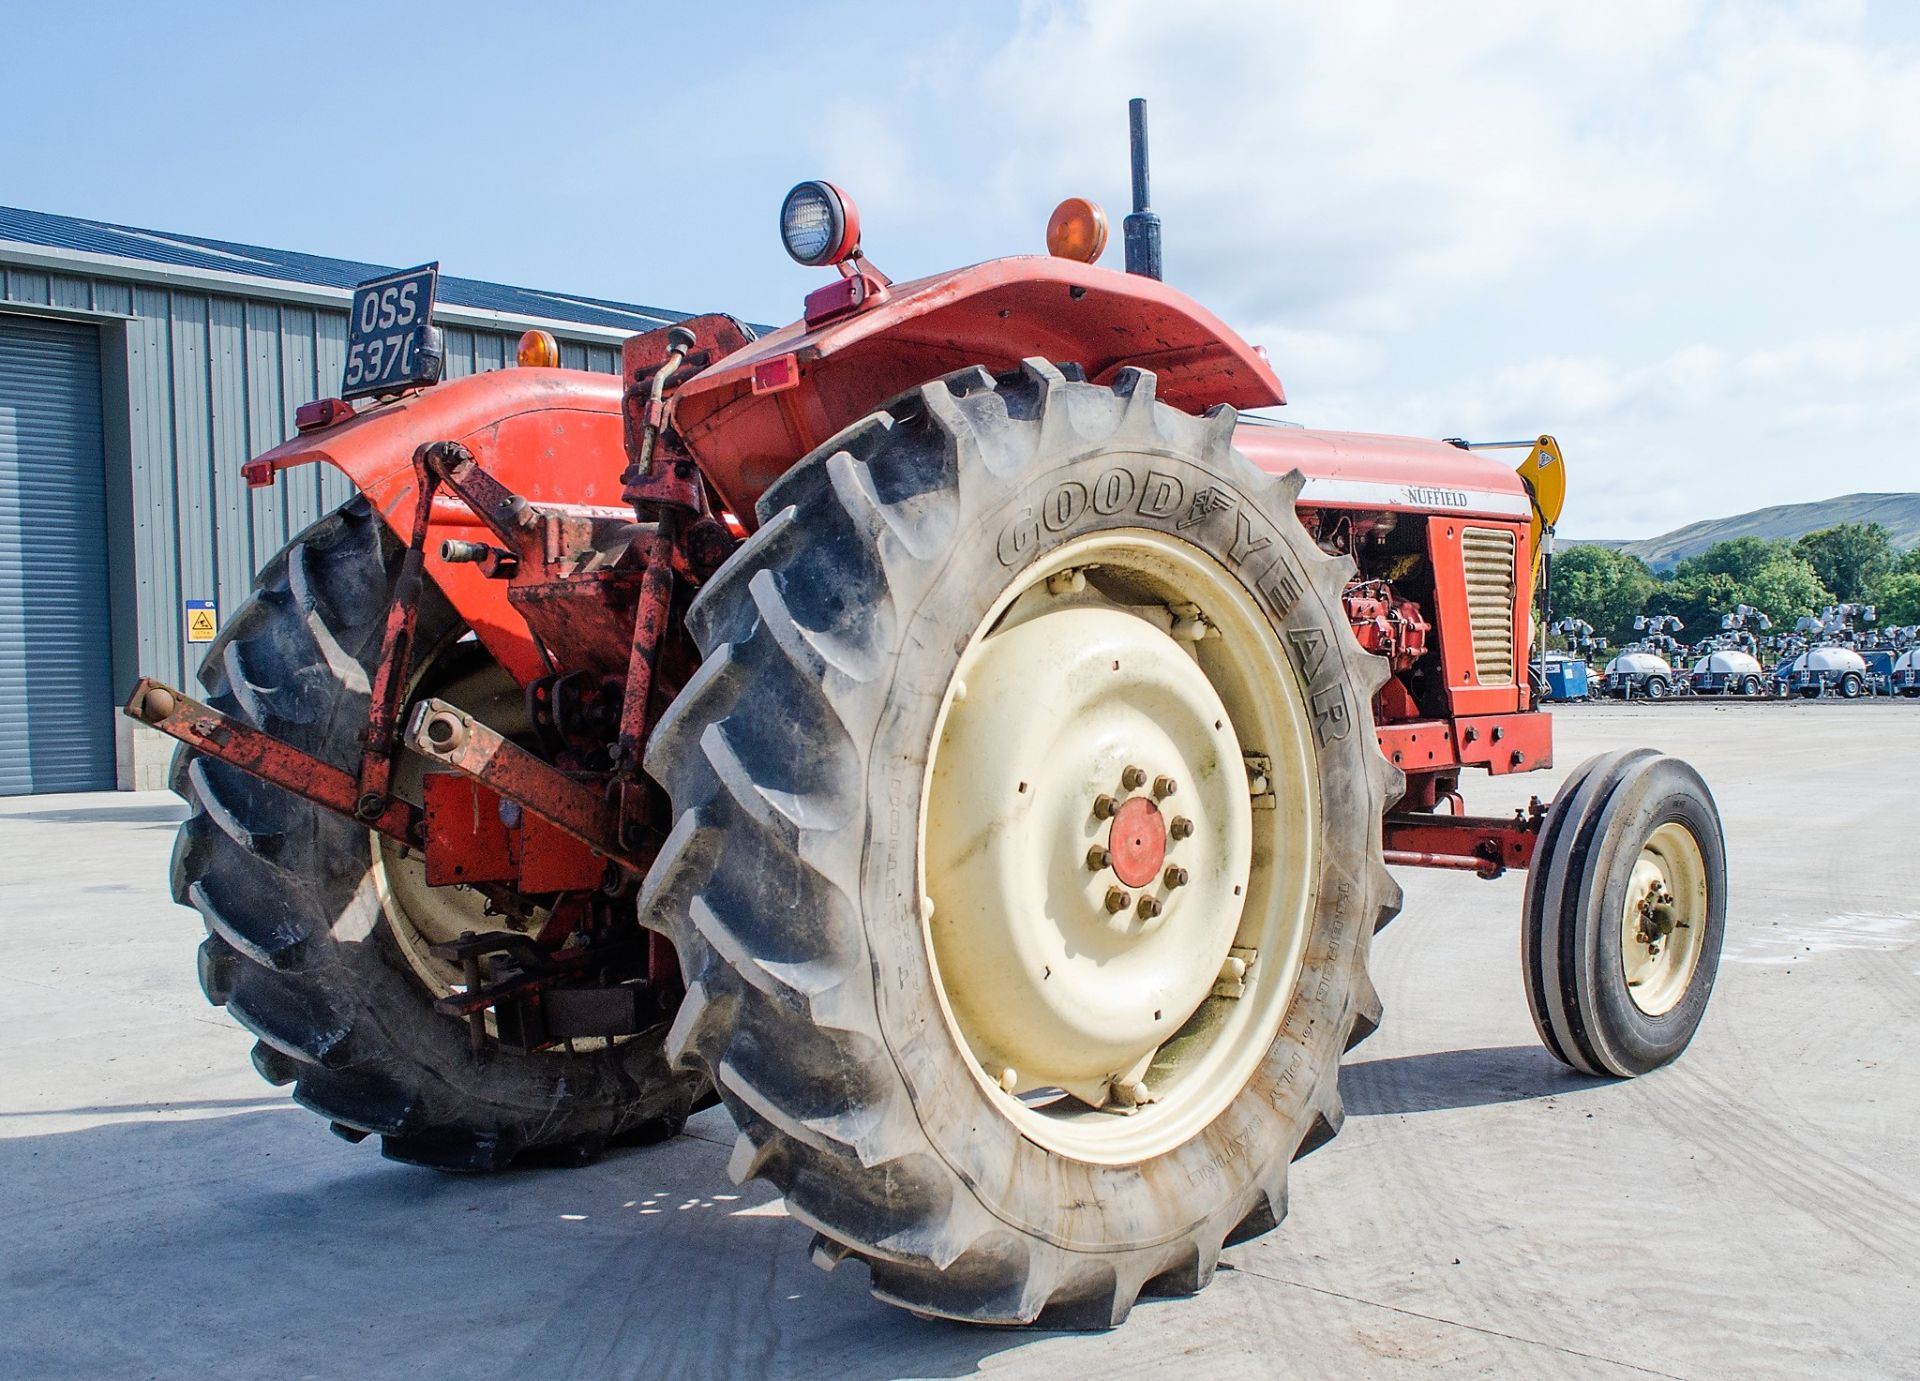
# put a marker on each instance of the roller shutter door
(56, 721)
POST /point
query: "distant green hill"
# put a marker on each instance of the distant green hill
(1899, 514)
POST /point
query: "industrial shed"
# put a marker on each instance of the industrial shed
(138, 371)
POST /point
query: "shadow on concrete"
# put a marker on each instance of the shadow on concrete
(265, 1100)
(180, 1248)
(1457, 1079)
(167, 813)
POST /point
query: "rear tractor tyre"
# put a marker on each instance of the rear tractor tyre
(1027, 846)
(317, 929)
(1625, 911)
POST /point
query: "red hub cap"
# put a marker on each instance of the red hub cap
(1137, 843)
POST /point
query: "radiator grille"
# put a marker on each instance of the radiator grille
(1488, 553)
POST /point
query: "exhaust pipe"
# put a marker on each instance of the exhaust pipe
(1142, 227)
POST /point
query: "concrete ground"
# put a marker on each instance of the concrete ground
(1753, 1210)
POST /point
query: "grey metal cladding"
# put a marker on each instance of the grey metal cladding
(210, 379)
(226, 256)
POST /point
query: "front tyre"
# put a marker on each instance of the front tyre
(1027, 845)
(1624, 915)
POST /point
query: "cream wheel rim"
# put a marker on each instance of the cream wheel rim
(1663, 920)
(1117, 848)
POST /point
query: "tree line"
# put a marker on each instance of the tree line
(1785, 579)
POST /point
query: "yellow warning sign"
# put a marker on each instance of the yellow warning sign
(202, 621)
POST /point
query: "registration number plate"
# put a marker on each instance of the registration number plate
(389, 340)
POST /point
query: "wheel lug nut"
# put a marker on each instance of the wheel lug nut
(1180, 827)
(1164, 787)
(1103, 806)
(1118, 900)
(1176, 876)
(1097, 858)
(1147, 909)
(1133, 778)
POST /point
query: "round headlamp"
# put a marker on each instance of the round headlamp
(818, 224)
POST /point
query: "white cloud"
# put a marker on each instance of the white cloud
(1337, 148)
(1808, 108)
(1637, 451)
(1839, 361)
(1676, 232)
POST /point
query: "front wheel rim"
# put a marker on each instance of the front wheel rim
(1118, 845)
(1663, 919)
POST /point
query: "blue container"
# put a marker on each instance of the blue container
(1566, 680)
(1879, 672)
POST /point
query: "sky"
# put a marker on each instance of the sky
(1678, 234)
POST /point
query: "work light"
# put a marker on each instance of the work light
(1077, 230)
(819, 224)
(538, 350)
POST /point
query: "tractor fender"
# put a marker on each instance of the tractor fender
(552, 436)
(749, 417)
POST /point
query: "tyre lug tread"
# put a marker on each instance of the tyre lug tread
(854, 512)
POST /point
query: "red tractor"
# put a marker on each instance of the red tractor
(944, 730)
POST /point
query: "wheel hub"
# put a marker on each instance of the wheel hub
(1137, 843)
(1661, 924)
(1075, 933)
